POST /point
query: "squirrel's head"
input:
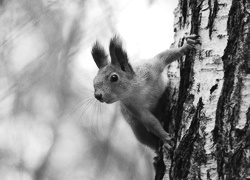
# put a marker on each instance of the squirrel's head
(114, 79)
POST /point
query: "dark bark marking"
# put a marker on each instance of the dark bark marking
(236, 64)
(198, 87)
(186, 70)
(221, 36)
(186, 82)
(213, 88)
(184, 9)
(196, 7)
(208, 53)
(212, 15)
(159, 166)
(185, 149)
(238, 162)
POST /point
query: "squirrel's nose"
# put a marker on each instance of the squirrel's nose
(98, 96)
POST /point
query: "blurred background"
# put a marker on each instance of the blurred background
(51, 127)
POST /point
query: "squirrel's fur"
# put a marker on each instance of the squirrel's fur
(138, 87)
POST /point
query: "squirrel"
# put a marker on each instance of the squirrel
(138, 87)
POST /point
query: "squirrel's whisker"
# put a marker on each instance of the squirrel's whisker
(85, 76)
(87, 106)
(87, 90)
(95, 116)
(98, 113)
(88, 93)
(81, 103)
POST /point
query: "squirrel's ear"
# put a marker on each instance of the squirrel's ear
(99, 55)
(119, 57)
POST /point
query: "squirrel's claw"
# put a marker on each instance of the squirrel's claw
(167, 149)
(192, 36)
(168, 144)
(192, 41)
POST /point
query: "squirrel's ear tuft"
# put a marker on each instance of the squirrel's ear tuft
(119, 57)
(99, 55)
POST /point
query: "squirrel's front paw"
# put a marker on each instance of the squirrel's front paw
(192, 41)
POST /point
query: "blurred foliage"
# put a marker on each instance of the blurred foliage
(50, 126)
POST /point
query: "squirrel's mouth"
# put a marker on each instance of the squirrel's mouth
(101, 100)
(109, 101)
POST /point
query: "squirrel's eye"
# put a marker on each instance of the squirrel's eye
(113, 78)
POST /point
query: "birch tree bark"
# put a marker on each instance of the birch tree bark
(210, 113)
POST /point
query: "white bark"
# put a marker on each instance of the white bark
(207, 79)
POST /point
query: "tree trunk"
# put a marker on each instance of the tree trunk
(210, 113)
